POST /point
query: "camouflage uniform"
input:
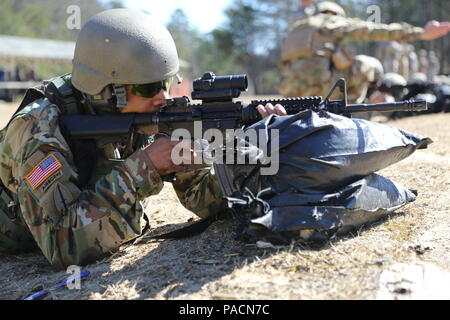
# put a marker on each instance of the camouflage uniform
(389, 54)
(72, 225)
(424, 63)
(398, 58)
(413, 59)
(312, 55)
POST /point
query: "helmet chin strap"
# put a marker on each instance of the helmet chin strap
(111, 99)
(121, 95)
(179, 78)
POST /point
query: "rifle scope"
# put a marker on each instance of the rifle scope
(212, 88)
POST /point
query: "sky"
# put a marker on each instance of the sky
(203, 14)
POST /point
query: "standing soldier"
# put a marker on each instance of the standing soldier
(413, 59)
(423, 61)
(404, 60)
(434, 66)
(389, 55)
(312, 55)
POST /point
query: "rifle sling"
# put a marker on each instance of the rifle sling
(191, 230)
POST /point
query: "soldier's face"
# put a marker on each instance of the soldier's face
(141, 104)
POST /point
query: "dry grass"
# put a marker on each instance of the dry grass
(214, 266)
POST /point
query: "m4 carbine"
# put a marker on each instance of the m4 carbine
(217, 110)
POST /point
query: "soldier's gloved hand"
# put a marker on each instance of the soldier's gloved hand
(166, 161)
(269, 109)
(435, 29)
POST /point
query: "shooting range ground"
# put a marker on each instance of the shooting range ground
(214, 266)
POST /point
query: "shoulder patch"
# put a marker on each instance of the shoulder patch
(43, 170)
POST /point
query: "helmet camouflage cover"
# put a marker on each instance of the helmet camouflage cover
(122, 46)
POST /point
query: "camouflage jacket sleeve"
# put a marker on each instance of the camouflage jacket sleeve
(353, 29)
(72, 226)
(199, 191)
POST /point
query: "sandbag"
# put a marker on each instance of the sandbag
(326, 183)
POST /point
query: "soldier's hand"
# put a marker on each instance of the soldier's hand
(269, 109)
(434, 30)
(160, 153)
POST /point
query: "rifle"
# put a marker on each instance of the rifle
(217, 110)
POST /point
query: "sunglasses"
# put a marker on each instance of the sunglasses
(150, 90)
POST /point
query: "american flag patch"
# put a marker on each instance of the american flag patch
(43, 170)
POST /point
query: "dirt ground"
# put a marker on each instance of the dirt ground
(214, 266)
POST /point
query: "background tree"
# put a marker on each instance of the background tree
(247, 42)
(43, 18)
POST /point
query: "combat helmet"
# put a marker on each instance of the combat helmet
(325, 6)
(375, 69)
(392, 79)
(418, 78)
(118, 47)
(393, 84)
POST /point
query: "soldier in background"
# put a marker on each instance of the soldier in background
(398, 57)
(404, 61)
(413, 59)
(389, 54)
(312, 55)
(423, 61)
(434, 66)
(362, 76)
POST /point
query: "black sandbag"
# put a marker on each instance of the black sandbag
(326, 177)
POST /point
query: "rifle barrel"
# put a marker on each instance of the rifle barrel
(409, 105)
